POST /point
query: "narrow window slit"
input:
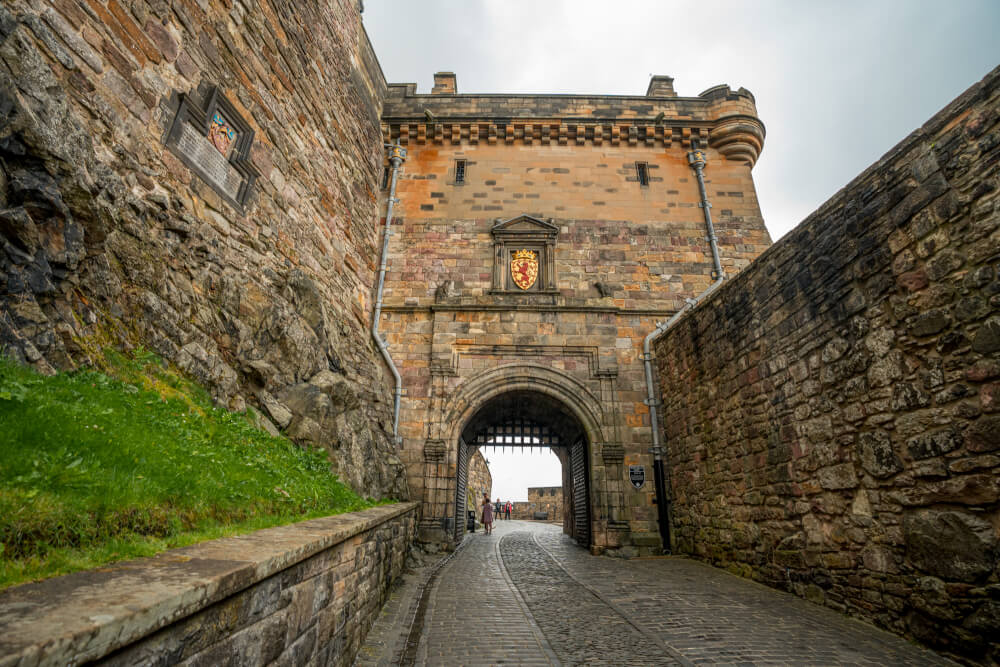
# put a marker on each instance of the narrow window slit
(460, 171)
(642, 171)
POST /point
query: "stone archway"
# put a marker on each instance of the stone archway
(574, 413)
(525, 418)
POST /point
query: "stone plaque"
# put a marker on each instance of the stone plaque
(214, 168)
(637, 475)
(214, 141)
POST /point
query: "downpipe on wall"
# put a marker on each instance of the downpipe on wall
(396, 156)
(696, 158)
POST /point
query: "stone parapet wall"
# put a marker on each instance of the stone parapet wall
(306, 593)
(547, 499)
(109, 237)
(831, 413)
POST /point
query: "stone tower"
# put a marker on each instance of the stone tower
(536, 240)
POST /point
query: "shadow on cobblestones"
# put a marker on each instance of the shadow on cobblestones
(527, 595)
(581, 628)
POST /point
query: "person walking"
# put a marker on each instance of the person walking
(507, 510)
(498, 509)
(487, 515)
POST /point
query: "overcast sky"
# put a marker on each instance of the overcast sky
(837, 83)
(514, 470)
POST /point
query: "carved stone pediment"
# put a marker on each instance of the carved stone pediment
(525, 225)
(524, 243)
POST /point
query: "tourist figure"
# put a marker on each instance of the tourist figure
(507, 510)
(498, 509)
(487, 514)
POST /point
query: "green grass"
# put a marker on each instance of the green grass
(103, 466)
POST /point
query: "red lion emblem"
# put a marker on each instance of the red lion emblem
(524, 268)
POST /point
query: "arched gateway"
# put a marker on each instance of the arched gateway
(528, 418)
(531, 406)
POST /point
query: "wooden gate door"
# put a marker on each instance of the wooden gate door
(581, 495)
(461, 491)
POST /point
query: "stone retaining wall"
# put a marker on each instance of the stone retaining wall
(832, 412)
(306, 593)
(109, 237)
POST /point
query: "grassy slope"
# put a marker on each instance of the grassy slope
(95, 468)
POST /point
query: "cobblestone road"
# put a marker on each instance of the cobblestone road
(527, 595)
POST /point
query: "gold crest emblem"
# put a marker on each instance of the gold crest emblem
(524, 268)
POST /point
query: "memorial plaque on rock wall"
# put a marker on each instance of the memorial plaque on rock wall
(214, 141)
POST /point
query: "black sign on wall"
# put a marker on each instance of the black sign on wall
(637, 475)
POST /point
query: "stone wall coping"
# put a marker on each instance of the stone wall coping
(86, 615)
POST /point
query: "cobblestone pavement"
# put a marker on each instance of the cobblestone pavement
(528, 595)
(582, 628)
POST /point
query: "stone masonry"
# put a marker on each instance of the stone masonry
(547, 499)
(489, 175)
(108, 238)
(301, 594)
(480, 482)
(833, 413)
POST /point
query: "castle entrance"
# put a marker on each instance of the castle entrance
(523, 419)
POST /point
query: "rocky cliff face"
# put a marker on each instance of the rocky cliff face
(108, 238)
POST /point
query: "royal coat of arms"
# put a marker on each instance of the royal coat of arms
(524, 268)
(221, 134)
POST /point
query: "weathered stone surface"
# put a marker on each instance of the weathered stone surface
(934, 444)
(108, 235)
(984, 434)
(861, 397)
(837, 477)
(252, 599)
(877, 456)
(949, 544)
(988, 337)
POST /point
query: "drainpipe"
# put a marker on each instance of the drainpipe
(396, 156)
(696, 158)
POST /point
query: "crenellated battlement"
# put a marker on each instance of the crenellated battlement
(725, 119)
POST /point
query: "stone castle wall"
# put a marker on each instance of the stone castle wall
(305, 593)
(547, 499)
(107, 237)
(624, 255)
(480, 481)
(832, 413)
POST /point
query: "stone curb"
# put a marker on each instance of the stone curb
(84, 616)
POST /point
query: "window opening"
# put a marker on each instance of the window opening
(385, 177)
(460, 171)
(642, 171)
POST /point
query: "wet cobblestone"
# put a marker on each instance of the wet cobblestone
(528, 595)
(582, 628)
